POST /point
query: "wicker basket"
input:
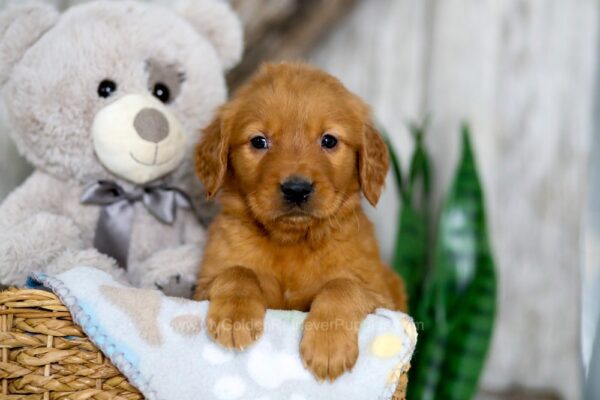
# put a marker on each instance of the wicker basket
(45, 356)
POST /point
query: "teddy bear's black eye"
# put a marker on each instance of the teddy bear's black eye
(106, 88)
(161, 92)
(328, 141)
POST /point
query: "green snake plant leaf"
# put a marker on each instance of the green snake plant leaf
(396, 167)
(459, 307)
(411, 252)
(420, 173)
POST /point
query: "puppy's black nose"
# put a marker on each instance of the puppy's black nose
(296, 190)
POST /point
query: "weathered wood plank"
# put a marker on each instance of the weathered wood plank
(539, 136)
(590, 302)
(283, 30)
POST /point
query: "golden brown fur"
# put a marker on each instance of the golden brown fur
(321, 256)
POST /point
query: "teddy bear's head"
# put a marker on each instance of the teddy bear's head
(114, 89)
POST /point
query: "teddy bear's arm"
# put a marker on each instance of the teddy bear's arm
(174, 269)
(32, 230)
(40, 193)
(50, 243)
(36, 235)
(71, 258)
(30, 245)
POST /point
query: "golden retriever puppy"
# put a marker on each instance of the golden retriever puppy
(290, 155)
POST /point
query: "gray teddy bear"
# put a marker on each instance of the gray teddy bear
(107, 101)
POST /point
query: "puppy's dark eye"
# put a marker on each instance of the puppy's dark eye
(106, 88)
(161, 92)
(259, 142)
(328, 141)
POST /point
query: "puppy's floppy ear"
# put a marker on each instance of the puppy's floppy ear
(20, 27)
(211, 157)
(373, 163)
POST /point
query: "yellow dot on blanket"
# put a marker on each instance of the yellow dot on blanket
(386, 345)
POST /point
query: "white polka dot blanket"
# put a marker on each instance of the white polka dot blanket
(161, 345)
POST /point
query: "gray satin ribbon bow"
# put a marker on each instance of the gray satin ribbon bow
(113, 230)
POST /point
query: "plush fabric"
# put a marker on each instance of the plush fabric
(161, 345)
(51, 66)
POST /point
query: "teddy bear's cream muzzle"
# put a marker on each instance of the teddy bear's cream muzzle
(137, 138)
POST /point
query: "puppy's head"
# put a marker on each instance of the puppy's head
(295, 145)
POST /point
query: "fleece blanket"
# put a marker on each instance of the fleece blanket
(160, 344)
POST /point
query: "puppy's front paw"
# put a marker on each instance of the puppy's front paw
(235, 323)
(328, 348)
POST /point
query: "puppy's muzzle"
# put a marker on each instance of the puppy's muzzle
(296, 190)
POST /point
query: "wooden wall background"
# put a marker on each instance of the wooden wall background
(522, 72)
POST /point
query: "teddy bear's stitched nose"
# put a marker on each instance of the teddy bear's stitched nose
(151, 125)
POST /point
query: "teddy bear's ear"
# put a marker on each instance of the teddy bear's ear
(216, 21)
(20, 27)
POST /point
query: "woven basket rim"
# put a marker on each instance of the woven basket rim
(45, 355)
